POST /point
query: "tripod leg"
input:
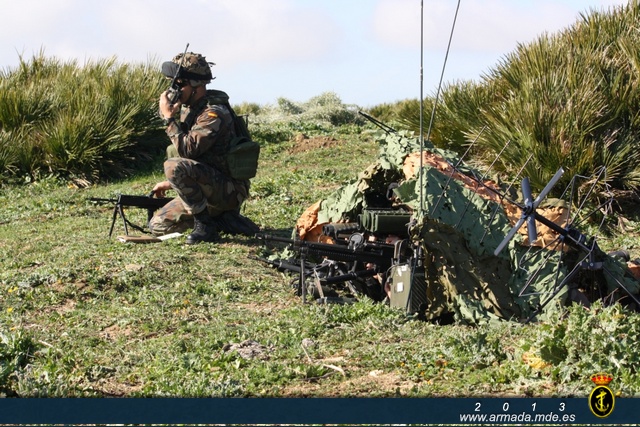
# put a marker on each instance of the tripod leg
(566, 280)
(538, 310)
(302, 286)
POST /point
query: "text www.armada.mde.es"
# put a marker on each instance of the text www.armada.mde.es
(515, 418)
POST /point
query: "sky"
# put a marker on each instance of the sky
(368, 52)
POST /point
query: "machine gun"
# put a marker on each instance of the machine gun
(354, 261)
(358, 251)
(150, 203)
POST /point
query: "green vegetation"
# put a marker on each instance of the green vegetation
(84, 315)
(570, 99)
(322, 114)
(83, 123)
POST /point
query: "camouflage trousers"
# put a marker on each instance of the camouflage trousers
(199, 187)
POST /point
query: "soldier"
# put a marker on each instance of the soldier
(200, 125)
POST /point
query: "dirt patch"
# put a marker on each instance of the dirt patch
(66, 307)
(346, 377)
(356, 383)
(249, 349)
(113, 387)
(113, 332)
(304, 143)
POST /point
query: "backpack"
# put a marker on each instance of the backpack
(242, 156)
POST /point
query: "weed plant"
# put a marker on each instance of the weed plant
(321, 115)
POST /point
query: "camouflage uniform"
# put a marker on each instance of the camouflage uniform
(196, 166)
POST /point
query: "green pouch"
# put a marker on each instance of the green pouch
(242, 158)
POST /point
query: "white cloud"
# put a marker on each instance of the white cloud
(397, 22)
(258, 31)
(481, 25)
(227, 31)
(368, 50)
(26, 25)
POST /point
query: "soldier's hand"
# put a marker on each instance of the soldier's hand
(161, 188)
(166, 108)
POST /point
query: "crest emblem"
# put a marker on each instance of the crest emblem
(601, 399)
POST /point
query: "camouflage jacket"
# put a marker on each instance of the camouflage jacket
(205, 130)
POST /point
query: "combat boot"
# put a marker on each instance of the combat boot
(231, 222)
(204, 229)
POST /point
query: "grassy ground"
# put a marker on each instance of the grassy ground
(84, 315)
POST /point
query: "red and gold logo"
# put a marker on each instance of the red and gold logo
(601, 399)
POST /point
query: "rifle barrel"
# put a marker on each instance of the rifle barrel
(280, 265)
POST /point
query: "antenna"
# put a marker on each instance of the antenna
(174, 90)
(435, 104)
(529, 212)
(421, 101)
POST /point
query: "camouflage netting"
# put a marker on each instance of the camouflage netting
(459, 227)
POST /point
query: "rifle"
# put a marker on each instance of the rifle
(174, 89)
(150, 203)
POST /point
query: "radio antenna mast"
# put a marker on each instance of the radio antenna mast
(435, 104)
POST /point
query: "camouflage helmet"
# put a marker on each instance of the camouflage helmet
(195, 68)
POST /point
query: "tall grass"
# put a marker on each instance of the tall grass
(569, 99)
(86, 121)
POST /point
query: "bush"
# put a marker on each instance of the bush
(590, 341)
(16, 350)
(319, 115)
(87, 122)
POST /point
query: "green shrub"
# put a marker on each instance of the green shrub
(88, 121)
(319, 115)
(590, 341)
(16, 350)
(247, 109)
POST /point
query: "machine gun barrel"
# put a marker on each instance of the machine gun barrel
(143, 202)
(282, 265)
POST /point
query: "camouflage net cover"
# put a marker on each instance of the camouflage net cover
(459, 232)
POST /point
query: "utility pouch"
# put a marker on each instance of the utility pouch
(242, 158)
